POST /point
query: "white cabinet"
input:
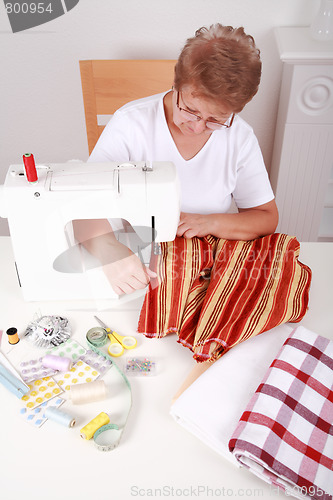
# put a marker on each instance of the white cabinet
(302, 164)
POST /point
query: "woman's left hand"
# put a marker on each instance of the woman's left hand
(191, 225)
(247, 224)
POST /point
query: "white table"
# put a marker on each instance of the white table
(155, 453)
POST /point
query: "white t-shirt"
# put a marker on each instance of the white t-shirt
(230, 164)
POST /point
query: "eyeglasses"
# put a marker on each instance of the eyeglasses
(209, 124)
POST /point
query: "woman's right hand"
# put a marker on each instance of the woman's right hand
(125, 271)
(122, 267)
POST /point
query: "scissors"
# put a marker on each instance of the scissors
(117, 342)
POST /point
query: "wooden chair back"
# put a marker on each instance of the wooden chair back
(109, 84)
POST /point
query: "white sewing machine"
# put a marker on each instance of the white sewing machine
(50, 263)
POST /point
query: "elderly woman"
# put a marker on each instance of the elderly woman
(196, 126)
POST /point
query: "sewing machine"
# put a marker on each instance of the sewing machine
(51, 265)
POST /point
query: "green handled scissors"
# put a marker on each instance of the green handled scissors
(117, 342)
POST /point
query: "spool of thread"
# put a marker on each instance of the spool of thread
(13, 337)
(30, 167)
(89, 430)
(87, 393)
(59, 417)
(59, 363)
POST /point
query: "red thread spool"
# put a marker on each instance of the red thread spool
(30, 167)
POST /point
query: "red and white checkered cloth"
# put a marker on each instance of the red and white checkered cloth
(285, 435)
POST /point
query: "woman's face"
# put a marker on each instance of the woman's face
(191, 113)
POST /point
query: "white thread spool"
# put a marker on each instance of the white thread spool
(57, 363)
(87, 393)
(59, 417)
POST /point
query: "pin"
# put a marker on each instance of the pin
(140, 366)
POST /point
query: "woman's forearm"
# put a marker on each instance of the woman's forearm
(96, 236)
(245, 225)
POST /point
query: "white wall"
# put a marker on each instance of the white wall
(41, 107)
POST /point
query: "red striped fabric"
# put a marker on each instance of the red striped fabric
(215, 293)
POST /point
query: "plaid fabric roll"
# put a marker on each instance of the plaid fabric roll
(285, 435)
(215, 293)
